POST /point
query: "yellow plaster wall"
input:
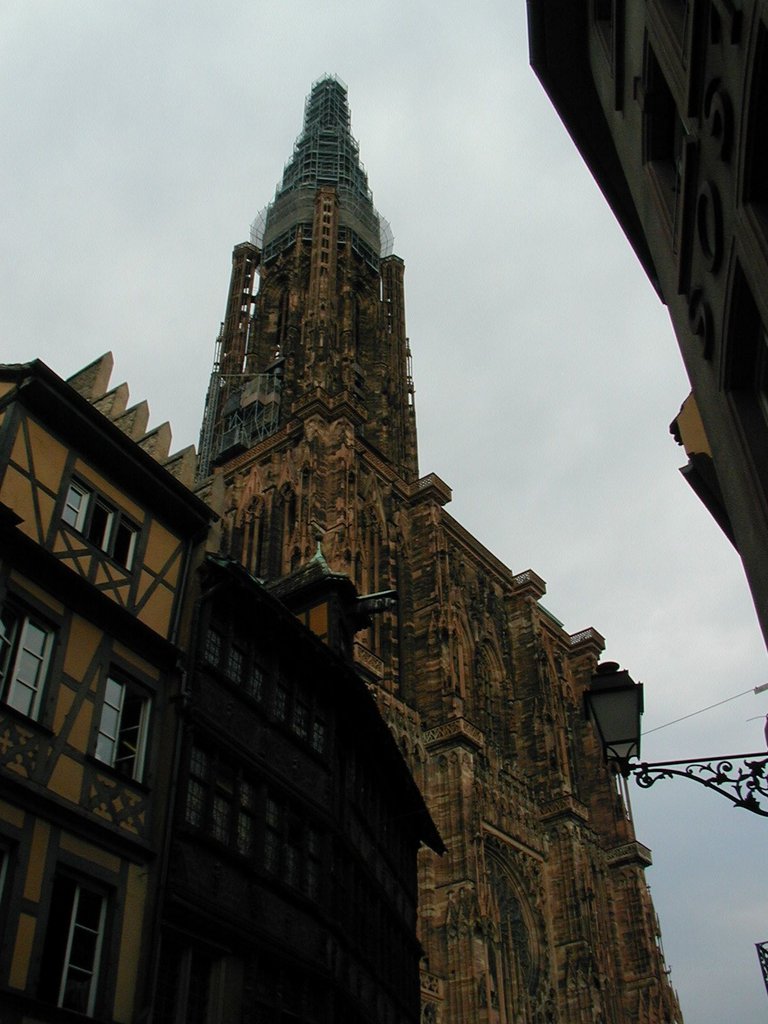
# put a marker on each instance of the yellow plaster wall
(157, 611)
(13, 815)
(121, 651)
(318, 619)
(79, 732)
(42, 595)
(90, 476)
(22, 951)
(6, 387)
(160, 546)
(84, 640)
(691, 429)
(130, 943)
(89, 852)
(80, 563)
(38, 850)
(49, 456)
(67, 778)
(16, 492)
(64, 701)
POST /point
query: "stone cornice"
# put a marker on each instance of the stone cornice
(457, 730)
(565, 806)
(281, 438)
(515, 844)
(629, 853)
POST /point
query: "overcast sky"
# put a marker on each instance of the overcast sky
(140, 139)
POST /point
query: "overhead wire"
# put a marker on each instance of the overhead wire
(755, 689)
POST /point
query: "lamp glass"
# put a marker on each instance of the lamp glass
(616, 710)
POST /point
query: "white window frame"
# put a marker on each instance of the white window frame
(15, 658)
(76, 506)
(67, 965)
(109, 738)
(80, 507)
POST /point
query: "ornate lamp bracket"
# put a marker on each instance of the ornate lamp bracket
(740, 778)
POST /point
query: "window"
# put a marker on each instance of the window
(221, 802)
(122, 735)
(75, 506)
(292, 847)
(237, 658)
(756, 150)
(25, 651)
(213, 646)
(187, 984)
(280, 701)
(101, 523)
(72, 952)
(297, 707)
(319, 735)
(664, 133)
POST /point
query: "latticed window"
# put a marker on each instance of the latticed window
(273, 823)
(197, 785)
(292, 846)
(280, 701)
(319, 735)
(236, 663)
(246, 831)
(221, 802)
(213, 646)
(254, 681)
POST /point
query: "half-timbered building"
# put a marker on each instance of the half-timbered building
(95, 540)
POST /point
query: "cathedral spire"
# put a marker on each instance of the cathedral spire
(327, 318)
(324, 154)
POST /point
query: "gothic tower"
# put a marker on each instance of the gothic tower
(539, 910)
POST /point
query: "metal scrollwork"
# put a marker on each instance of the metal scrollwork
(740, 778)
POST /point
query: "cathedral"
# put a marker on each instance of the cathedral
(538, 910)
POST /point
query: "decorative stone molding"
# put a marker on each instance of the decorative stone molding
(630, 853)
(457, 730)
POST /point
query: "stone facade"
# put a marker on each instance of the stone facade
(538, 911)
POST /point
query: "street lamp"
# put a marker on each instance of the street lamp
(614, 703)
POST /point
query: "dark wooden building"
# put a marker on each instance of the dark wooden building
(290, 892)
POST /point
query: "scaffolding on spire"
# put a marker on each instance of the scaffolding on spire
(325, 153)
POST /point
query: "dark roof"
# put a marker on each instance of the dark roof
(102, 442)
(314, 573)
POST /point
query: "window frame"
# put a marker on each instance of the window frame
(101, 523)
(236, 657)
(57, 953)
(12, 650)
(293, 846)
(112, 757)
(221, 800)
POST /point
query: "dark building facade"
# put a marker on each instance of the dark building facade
(203, 817)
(667, 103)
(290, 890)
(538, 911)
